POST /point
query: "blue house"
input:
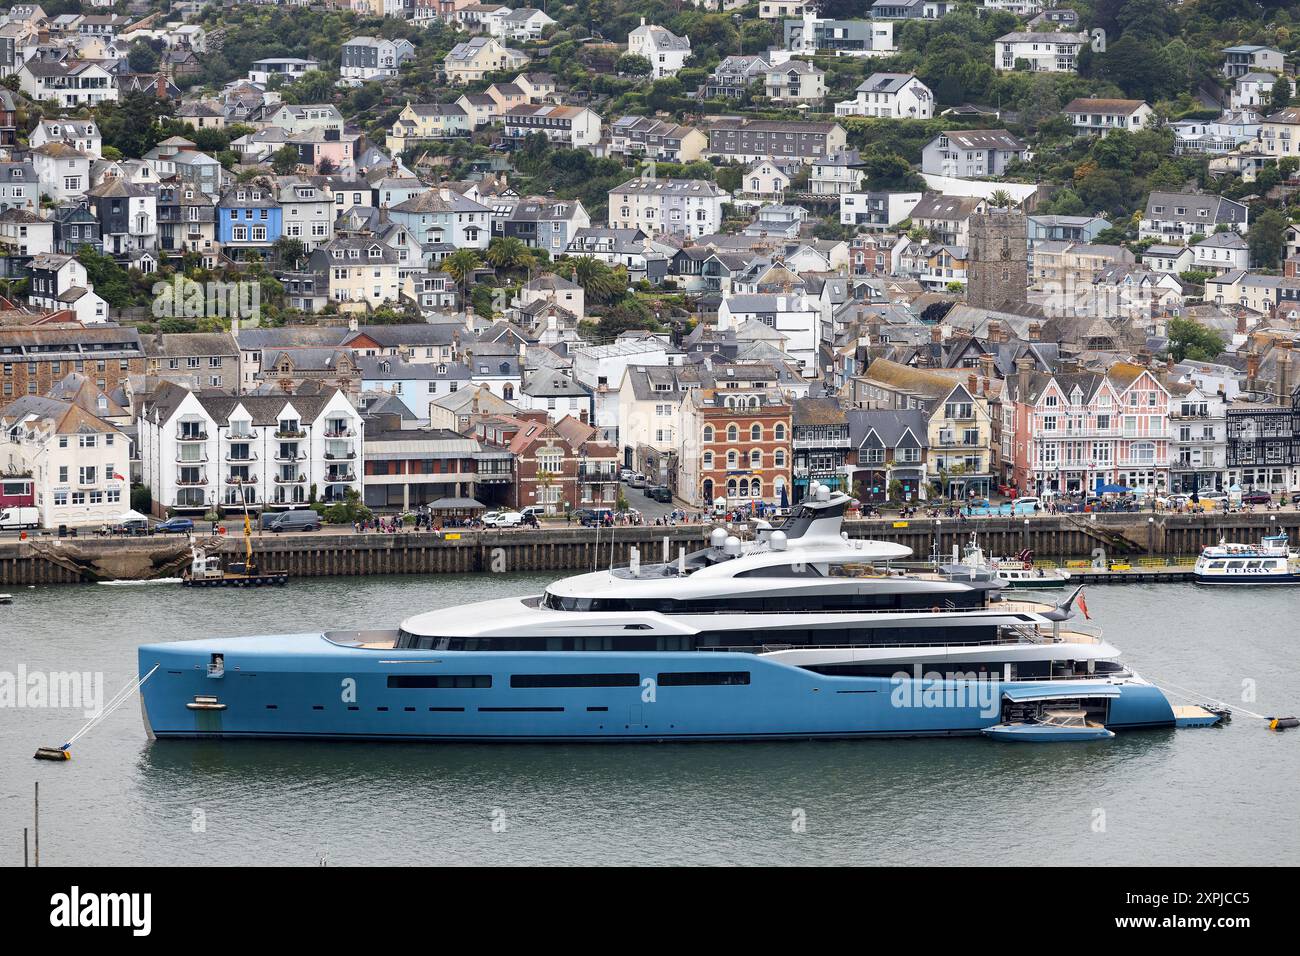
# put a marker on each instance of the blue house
(248, 219)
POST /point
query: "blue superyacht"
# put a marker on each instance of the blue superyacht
(798, 633)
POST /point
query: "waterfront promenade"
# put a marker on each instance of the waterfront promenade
(1134, 537)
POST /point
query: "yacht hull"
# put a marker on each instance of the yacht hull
(304, 686)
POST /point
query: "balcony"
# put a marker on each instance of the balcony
(298, 433)
(201, 460)
(296, 480)
(251, 456)
(240, 480)
(348, 456)
(296, 456)
(191, 436)
(190, 482)
(239, 436)
(345, 477)
(337, 433)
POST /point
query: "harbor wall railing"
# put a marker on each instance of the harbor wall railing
(45, 559)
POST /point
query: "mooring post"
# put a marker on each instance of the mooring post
(37, 823)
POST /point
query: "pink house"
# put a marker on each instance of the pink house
(1076, 431)
(319, 144)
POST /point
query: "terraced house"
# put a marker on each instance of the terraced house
(690, 207)
(474, 59)
(735, 139)
(362, 272)
(1077, 430)
(571, 127)
(426, 121)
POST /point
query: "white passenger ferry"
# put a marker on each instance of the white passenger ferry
(1272, 561)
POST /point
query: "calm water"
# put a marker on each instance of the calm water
(1216, 796)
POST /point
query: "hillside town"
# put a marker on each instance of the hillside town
(617, 259)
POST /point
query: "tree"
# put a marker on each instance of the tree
(1280, 98)
(509, 253)
(1187, 340)
(284, 160)
(631, 64)
(288, 251)
(460, 265)
(1266, 237)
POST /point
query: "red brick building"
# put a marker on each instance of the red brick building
(33, 359)
(560, 466)
(737, 439)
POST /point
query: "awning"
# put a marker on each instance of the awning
(1032, 692)
(131, 515)
(456, 504)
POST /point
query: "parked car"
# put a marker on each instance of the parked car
(1256, 498)
(626, 474)
(175, 526)
(303, 519)
(502, 519)
(590, 517)
(537, 511)
(662, 494)
(638, 481)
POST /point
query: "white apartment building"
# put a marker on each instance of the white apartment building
(691, 207)
(202, 452)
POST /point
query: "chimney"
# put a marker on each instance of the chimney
(353, 325)
(986, 366)
(972, 384)
(1252, 371)
(1024, 369)
(1241, 324)
(1283, 374)
(1034, 331)
(936, 335)
(995, 332)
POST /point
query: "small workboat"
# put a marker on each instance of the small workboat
(1272, 561)
(206, 571)
(1017, 572)
(1051, 727)
(6, 599)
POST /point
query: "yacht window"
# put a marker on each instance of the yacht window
(575, 680)
(1234, 565)
(1216, 565)
(423, 681)
(703, 678)
(784, 571)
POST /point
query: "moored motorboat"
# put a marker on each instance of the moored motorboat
(1054, 726)
(1019, 572)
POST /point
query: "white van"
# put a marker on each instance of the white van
(16, 518)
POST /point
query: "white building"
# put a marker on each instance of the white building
(891, 95)
(691, 207)
(80, 134)
(601, 369)
(1091, 115)
(1043, 52)
(794, 316)
(200, 452)
(79, 462)
(666, 51)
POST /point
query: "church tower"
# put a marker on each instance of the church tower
(997, 274)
